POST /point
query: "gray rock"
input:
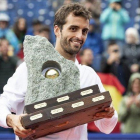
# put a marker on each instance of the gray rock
(38, 51)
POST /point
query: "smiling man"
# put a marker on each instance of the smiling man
(71, 28)
(72, 35)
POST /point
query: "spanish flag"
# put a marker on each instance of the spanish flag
(113, 85)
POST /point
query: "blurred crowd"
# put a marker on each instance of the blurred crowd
(110, 49)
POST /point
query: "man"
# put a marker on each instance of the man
(114, 18)
(86, 57)
(70, 27)
(112, 63)
(8, 64)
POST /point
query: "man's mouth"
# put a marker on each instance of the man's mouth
(76, 42)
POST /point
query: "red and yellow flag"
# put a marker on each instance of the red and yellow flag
(112, 84)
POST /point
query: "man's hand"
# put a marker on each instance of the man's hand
(108, 113)
(113, 57)
(14, 121)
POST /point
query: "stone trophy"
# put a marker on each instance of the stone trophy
(54, 100)
(49, 73)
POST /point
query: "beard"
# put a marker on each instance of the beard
(67, 47)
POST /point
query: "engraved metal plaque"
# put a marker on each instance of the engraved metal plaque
(58, 110)
(86, 92)
(78, 104)
(61, 99)
(40, 105)
(37, 116)
(99, 98)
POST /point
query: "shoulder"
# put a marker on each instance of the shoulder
(88, 73)
(86, 69)
(22, 68)
(9, 31)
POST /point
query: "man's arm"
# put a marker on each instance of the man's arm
(12, 100)
(14, 121)
(110, 120)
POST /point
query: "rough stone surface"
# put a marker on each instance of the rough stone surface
(37, 51)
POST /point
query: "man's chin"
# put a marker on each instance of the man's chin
(75, 49)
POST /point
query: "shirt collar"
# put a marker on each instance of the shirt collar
(76, 62)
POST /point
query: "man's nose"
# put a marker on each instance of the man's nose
(79, 35)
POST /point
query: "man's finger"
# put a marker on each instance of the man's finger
(110, 112)
(109, 108)
(19, 133)
(23, 134)
(25, 130)
(101, 113)
(110, 116)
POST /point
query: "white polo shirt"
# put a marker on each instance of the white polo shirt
(12, 100)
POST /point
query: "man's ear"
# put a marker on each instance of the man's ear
(57, 31)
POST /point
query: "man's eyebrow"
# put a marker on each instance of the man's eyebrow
(74, 26)
(78, 27)
(86, 29)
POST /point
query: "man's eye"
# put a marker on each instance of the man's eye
(85, 31)
(73, 29)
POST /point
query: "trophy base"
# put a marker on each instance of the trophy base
(65, 116)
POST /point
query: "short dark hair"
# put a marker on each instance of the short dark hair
(111, 43)
(76, 9)
(36, 22)
(44, 28)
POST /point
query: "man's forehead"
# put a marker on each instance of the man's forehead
(76, 20)
(115, 46)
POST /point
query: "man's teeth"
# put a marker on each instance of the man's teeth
(76, 42)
